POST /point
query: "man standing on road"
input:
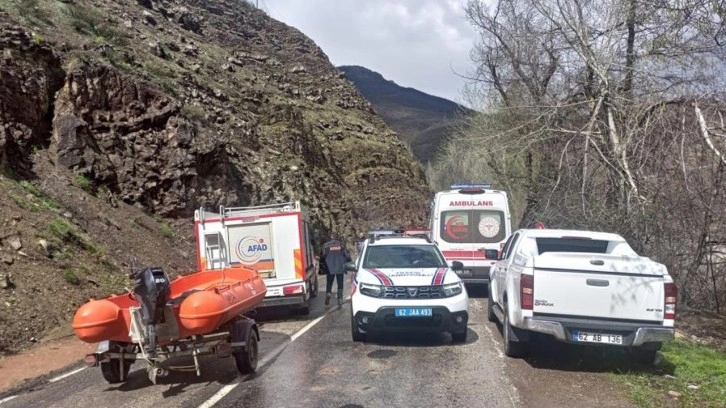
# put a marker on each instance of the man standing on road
(333, 255)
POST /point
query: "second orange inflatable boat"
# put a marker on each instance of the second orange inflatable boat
(200, 302)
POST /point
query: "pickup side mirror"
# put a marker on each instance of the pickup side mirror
(457, 265)
(491, 254)
(349, 267)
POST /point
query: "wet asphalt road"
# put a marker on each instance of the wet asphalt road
(326, 369)
(322, 367)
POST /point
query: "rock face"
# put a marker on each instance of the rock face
(173, 105)
(119, 118)
(31, 73)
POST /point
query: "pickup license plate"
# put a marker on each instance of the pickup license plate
(588, 337)
(413, 312)
(464, 272)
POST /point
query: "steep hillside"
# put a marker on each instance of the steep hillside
(118, 119)
(423, 121)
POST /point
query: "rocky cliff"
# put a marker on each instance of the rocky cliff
(118, 119)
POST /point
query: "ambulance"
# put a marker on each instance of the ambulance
(465, 222)
(276, 240)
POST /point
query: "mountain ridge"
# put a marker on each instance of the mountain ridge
(422, 120)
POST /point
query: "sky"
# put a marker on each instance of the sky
(422, 44)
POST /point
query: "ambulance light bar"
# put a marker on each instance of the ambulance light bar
(470, 186)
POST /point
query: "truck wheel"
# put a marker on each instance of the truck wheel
(490, 307)
(314, 287)
(511, 348)
(354, 332)
(459, 337)
(246, 360)
(112, 371)
(645, 354)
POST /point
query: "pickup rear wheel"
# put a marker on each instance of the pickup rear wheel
(511, 348)
(490, 306)
(645, 354)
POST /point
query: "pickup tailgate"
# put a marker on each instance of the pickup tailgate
(598, 286)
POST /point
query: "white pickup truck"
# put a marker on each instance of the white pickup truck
(581, 287)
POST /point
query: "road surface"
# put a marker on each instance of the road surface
(310, 361)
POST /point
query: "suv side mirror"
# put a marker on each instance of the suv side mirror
(491, 254)
(349, 267)
(457, 265)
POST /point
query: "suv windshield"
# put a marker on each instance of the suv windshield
(403, 256)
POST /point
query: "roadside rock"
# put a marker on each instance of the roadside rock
(7, 259)
(14, 242)
(5, 282)
(674, 394)
(149, 18)
(188, 21)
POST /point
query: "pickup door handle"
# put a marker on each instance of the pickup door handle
(598, 282)
(598, 262)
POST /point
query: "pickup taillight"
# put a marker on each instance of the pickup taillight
(671, 298)
(526, 291)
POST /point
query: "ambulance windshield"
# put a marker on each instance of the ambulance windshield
(473, 226)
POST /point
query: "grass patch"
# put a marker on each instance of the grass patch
(685, 364)
(61, 229)
(29, 188)
(69, 275)
(89, 22)
(194, 112)
(37, 202)
(33, 11)
(166, 230)
(83, 182)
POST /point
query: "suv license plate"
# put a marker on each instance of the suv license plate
(413, 312)
(588, 337)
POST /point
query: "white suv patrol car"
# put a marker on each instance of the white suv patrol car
(404, 284)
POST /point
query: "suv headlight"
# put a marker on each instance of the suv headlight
(452, 289)
(370, 290)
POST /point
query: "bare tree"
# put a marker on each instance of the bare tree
(593, 116)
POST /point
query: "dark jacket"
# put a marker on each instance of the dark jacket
(333, 255)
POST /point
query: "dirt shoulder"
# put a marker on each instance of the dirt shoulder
(52, 354)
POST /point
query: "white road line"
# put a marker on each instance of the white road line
(279, 349)
(66, 375)
(52, 380)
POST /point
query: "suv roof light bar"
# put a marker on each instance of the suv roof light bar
(373, 238)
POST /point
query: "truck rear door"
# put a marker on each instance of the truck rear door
(596, 285)
(251, 246)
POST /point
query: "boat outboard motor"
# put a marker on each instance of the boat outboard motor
(151, 288)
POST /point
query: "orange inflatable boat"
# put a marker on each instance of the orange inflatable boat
(190, 305)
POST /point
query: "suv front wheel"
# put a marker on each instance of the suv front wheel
(354, 332)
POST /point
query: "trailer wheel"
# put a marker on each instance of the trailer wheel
(246, 360)
(112, 371)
